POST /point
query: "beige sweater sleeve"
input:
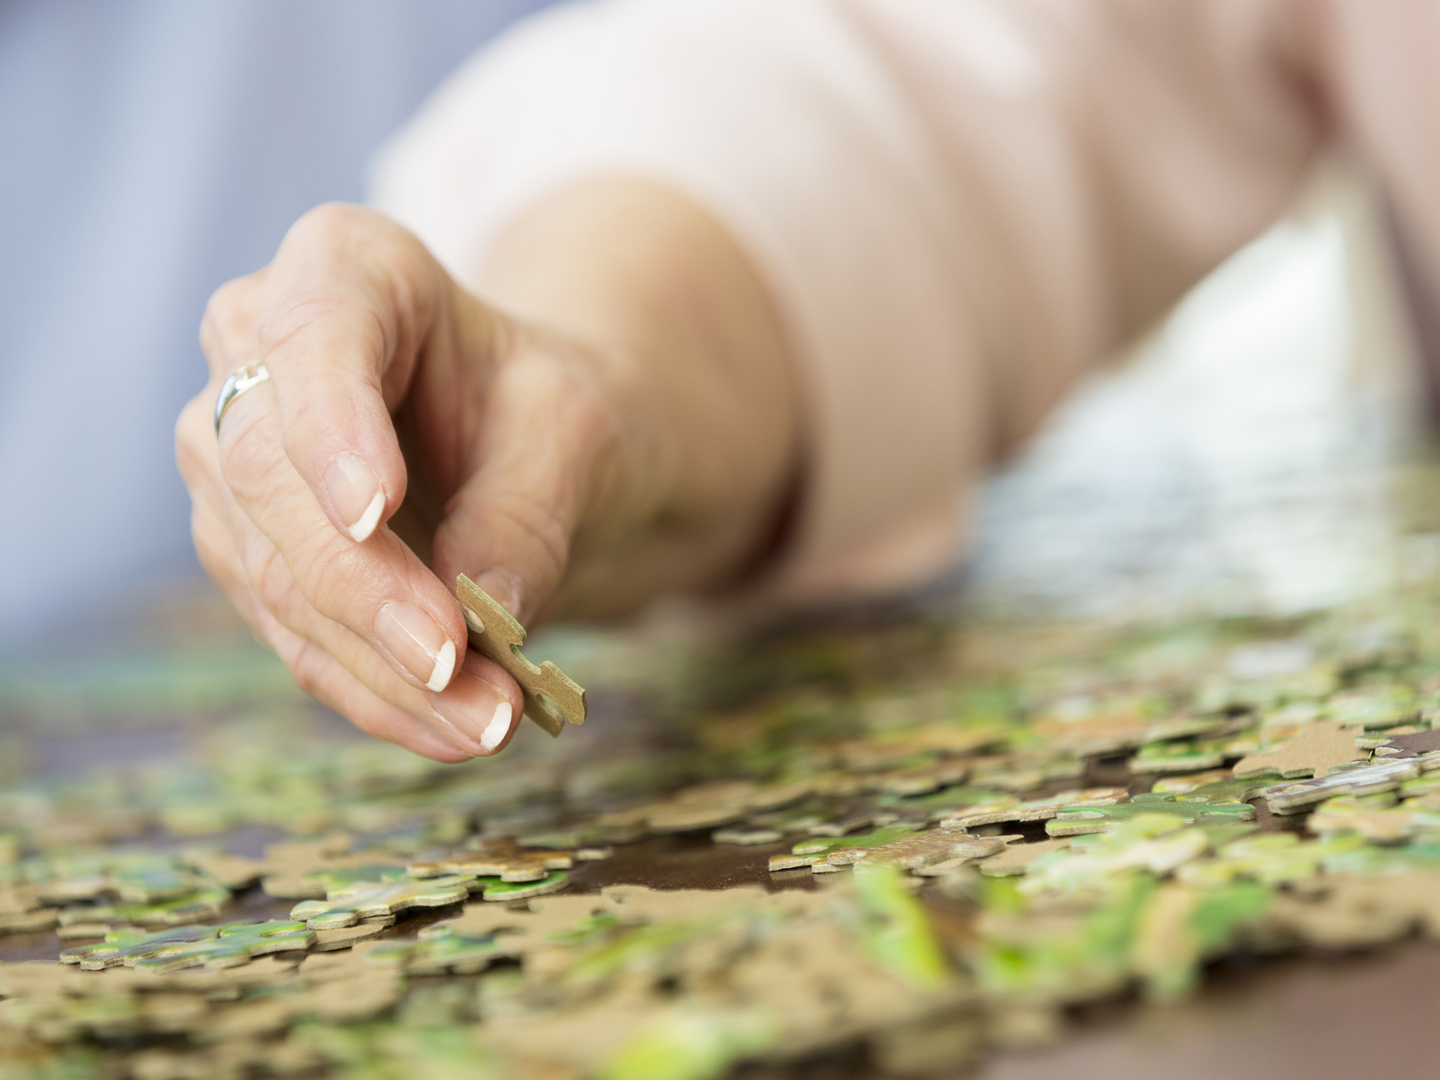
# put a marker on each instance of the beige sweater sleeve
(958, 205)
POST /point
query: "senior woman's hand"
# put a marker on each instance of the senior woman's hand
(622, 424)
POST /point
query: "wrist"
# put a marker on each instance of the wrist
(682, 338)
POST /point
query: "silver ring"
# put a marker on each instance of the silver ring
(242, 380)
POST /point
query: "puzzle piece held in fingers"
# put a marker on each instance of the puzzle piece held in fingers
(551, 696)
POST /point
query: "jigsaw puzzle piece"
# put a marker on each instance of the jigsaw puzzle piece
(235, 944)
(349, 905)
(551, 696)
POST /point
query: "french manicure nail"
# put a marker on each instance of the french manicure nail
(476, 711)
(356, 492)
(498, 728)
(417, 641)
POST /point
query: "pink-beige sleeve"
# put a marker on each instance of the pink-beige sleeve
(959, 206)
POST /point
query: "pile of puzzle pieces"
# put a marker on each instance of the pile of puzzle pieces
(951, 835)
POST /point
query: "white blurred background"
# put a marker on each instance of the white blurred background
(1241, 460)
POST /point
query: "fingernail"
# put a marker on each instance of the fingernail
(499, 726)
(473, 708)
(417, 641)
(356, 492)
(504, 587)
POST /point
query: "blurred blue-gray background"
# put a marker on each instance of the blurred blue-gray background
(150, 150)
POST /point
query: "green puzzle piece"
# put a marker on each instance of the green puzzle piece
(182, 910)
(1179, 757)
(523, 890)
(950, 798)
(438, 948)
(1269, 859)
(1157, 843)
(128, 946)
(897, 931)
(236, 943)
(349, 905)
(1349, 856)
(1076, 821)
(807, 852)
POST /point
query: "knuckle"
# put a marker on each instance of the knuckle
(307, 664)
(249, 459)
(269, 578)
(539, 522)
(283, 322)
(338, 578)
(331, 224)
(226, 317)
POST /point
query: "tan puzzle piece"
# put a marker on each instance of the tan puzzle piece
(1013, 859)
(501, 858)
(551, 696)
(1314, 752)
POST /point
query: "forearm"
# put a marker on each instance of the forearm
(688, 341)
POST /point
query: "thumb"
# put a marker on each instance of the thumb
(547, 450)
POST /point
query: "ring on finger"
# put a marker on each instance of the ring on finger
(251, 375)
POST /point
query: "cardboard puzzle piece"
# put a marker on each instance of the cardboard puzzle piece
(717, 803)
(1374, 707)
(1014, 859)
(842, 825)
(1023, 771)
(1082, 820)
(551, 696)
(505, 891)
(348, 906)
(1036, 809)
(1348, 910)
(1158, 843)
(1178, 757)
(952, 847)
(1313, 751)
(128, 945)
(1362, 779)
(1380, 824)
(346, 937)
(1271, 859)
(520, 928)
(947, 801)
(495, 858)
(747, 837)
(234, 944)
(439, 948)
(1217, 786)
(923, 779)
(1180, 927)
(810, 852)
(192, 908)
